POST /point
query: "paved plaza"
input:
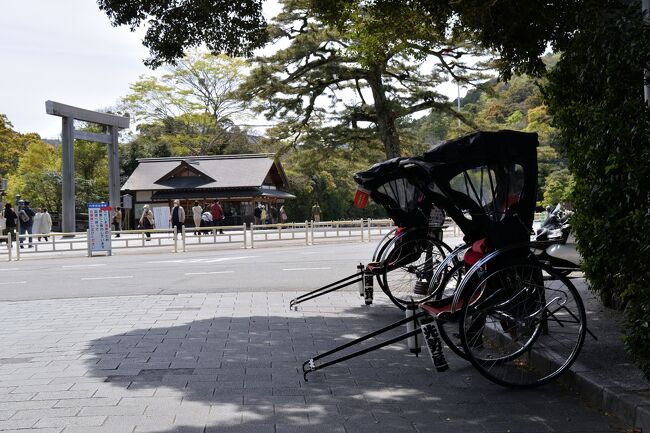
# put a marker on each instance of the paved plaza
(230, 362)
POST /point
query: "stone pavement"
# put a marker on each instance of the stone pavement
(230, 362)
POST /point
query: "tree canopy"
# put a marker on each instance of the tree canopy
(357, 82)
(175, 26)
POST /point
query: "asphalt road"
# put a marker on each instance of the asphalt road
(139, 272)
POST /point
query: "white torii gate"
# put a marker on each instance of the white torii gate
(111, 122)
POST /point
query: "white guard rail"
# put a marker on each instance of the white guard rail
(379, 227)
(337, 229)
(279, 232)
(6, 242)
(214, 235)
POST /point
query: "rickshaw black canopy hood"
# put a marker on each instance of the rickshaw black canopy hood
(483, 148)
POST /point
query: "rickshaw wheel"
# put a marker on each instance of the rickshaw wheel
(408, 266)
(448, 329)
(521, 329)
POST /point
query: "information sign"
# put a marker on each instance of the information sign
(99, 227)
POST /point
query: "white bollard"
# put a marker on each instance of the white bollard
(413, 343)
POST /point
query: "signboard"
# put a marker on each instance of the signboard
(99, 227)
(127, 201)
(162, 216)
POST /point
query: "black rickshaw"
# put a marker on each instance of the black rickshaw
(518, 321)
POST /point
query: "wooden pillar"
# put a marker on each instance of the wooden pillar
(113, 168)
(68, 187)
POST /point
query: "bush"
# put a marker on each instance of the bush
(595, 94)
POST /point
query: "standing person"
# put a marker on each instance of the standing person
(206, 217)
(263, 214)
(217, 214)
(146, 220)
(257, 213)
(26, 215)
(46, 224)
(283, 215)
(38, 216)
(197, 210)
(315, 212)
(117, 221)
(177, 216)
(274, 214)
(10, 217)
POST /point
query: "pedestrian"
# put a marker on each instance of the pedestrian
(257, 214)
(46, 224)
(217, 214)
(117, 221)
(177, 217)
(197, 210)
(26, 215)
(283, 215)
(274, 214)
(11, 221)
(263, 215)
(206, 217)
(315, 212)
(146, 221)
(36, 227)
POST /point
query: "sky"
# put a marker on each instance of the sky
(65, 51)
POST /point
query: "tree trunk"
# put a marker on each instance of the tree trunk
(385, 117)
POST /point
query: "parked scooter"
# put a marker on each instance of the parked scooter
(554, 245)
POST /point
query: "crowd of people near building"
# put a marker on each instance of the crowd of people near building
(24, 220)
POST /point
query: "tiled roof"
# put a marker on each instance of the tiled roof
(228, 171)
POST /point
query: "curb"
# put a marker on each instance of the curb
(629, 406)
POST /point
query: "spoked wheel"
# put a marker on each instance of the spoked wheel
(448, 329)
(519, 328)
(408, 266)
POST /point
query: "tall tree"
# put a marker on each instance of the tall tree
(357, 78)
(192, 109)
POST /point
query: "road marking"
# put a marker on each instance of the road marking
(83, 266)
(205, 260)
(207, 273)
(108, 278)
(305, 269)
(14, 282)
(10, 269)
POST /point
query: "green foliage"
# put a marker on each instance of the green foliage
(361, 78)
(12, 146)
(559, 188)
(190, 110)
(173, 27)
(595, 95)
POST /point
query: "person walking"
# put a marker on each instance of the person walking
(257, 214)
(315, 212)
(177, 217)
(197, 210)
(36, 227)
(10, 223)
(283, 215)
(217, 214)
(274, 214)
(146, 220)
(26, 215)
(263, 215)
(117, 221)
(46, 224)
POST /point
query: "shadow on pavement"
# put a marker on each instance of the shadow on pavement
(204, 366)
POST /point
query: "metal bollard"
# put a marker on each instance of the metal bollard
(413, 341)
(368, 280)
(360, 268)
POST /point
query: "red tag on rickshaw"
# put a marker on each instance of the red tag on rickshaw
(361, 198)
